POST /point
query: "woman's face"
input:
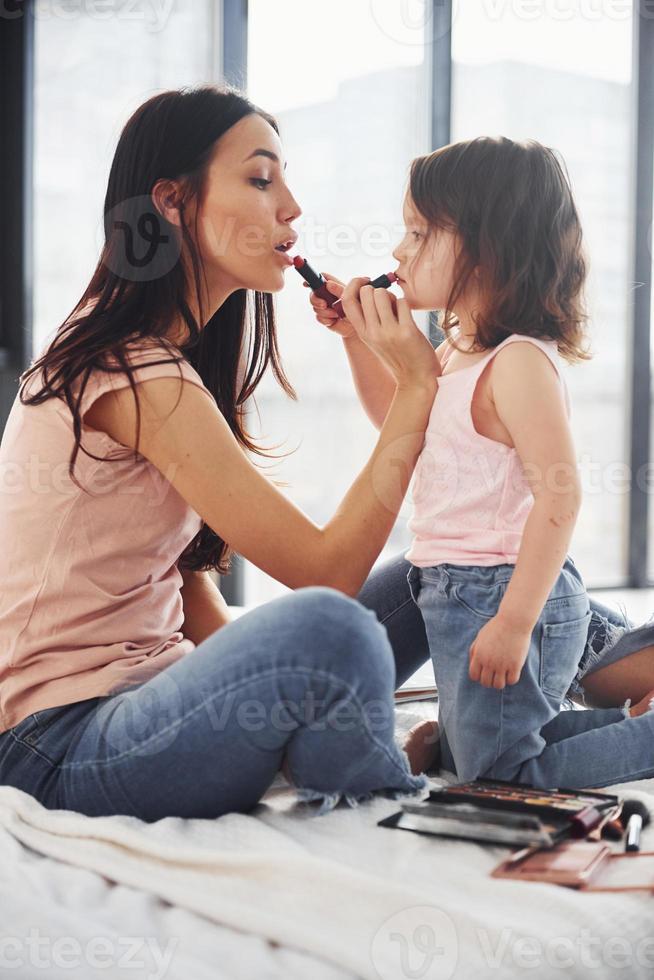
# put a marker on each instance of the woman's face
(426, 279)
(247, 210)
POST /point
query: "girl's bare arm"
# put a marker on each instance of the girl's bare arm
(529, 401)
(205, 609)
(374, 384)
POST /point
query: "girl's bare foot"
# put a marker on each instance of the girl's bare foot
(639, 709)
(422, 746)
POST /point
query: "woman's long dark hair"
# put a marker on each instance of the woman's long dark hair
(170, 136)
(512, 207)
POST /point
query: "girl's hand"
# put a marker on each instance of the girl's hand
(324, 314)
(497, 655)
(384, 323)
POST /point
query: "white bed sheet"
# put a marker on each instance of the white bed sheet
(355, 900)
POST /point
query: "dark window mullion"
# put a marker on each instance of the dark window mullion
(439, 41)
(639, 376)
(235, 42)
(16, 208)
(234, 34)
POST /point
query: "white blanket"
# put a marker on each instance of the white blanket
(361, 900)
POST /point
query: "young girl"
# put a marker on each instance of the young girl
(494, 240)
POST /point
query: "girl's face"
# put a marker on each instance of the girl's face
(426, 279)
(247, 211)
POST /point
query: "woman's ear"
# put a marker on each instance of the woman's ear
(166, 199)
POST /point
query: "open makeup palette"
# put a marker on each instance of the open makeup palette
(558, 830)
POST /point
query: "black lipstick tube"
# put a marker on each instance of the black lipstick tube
(318, 284)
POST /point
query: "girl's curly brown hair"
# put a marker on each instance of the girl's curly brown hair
(512, 207)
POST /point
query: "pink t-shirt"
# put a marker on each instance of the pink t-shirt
(471, 497)
(90, 599)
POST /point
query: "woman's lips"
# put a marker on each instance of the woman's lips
(286, 258)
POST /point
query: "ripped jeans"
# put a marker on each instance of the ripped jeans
(520, 733)
(307, 678)
(122, 754)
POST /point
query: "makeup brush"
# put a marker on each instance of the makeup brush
(610, 827)
(635, 815)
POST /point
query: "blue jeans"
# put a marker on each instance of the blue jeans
(121, 755)
(307, 677)
(520, 733)
(612, 636)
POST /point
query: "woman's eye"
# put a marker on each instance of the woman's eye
(416, 234)
(258, 181)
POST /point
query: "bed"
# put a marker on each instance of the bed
(282, 893)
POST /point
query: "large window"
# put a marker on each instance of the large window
(561, 74)
(353, 88)
(349, 85)
(94, 64)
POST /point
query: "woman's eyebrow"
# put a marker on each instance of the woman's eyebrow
(264, 153)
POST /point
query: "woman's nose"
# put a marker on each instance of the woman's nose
(293, 209)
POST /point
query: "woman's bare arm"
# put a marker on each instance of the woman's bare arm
(191, 444)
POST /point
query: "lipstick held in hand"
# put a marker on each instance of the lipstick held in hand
(318, 285)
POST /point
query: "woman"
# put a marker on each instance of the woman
(105, 707)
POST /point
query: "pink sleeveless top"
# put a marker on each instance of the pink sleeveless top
(90, 598)
(470, 496)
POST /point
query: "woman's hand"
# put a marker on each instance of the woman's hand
(384, 323)
(324, 314)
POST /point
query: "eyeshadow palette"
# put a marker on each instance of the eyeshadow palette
(508, 814)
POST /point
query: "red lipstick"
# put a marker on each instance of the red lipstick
(319, 286)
